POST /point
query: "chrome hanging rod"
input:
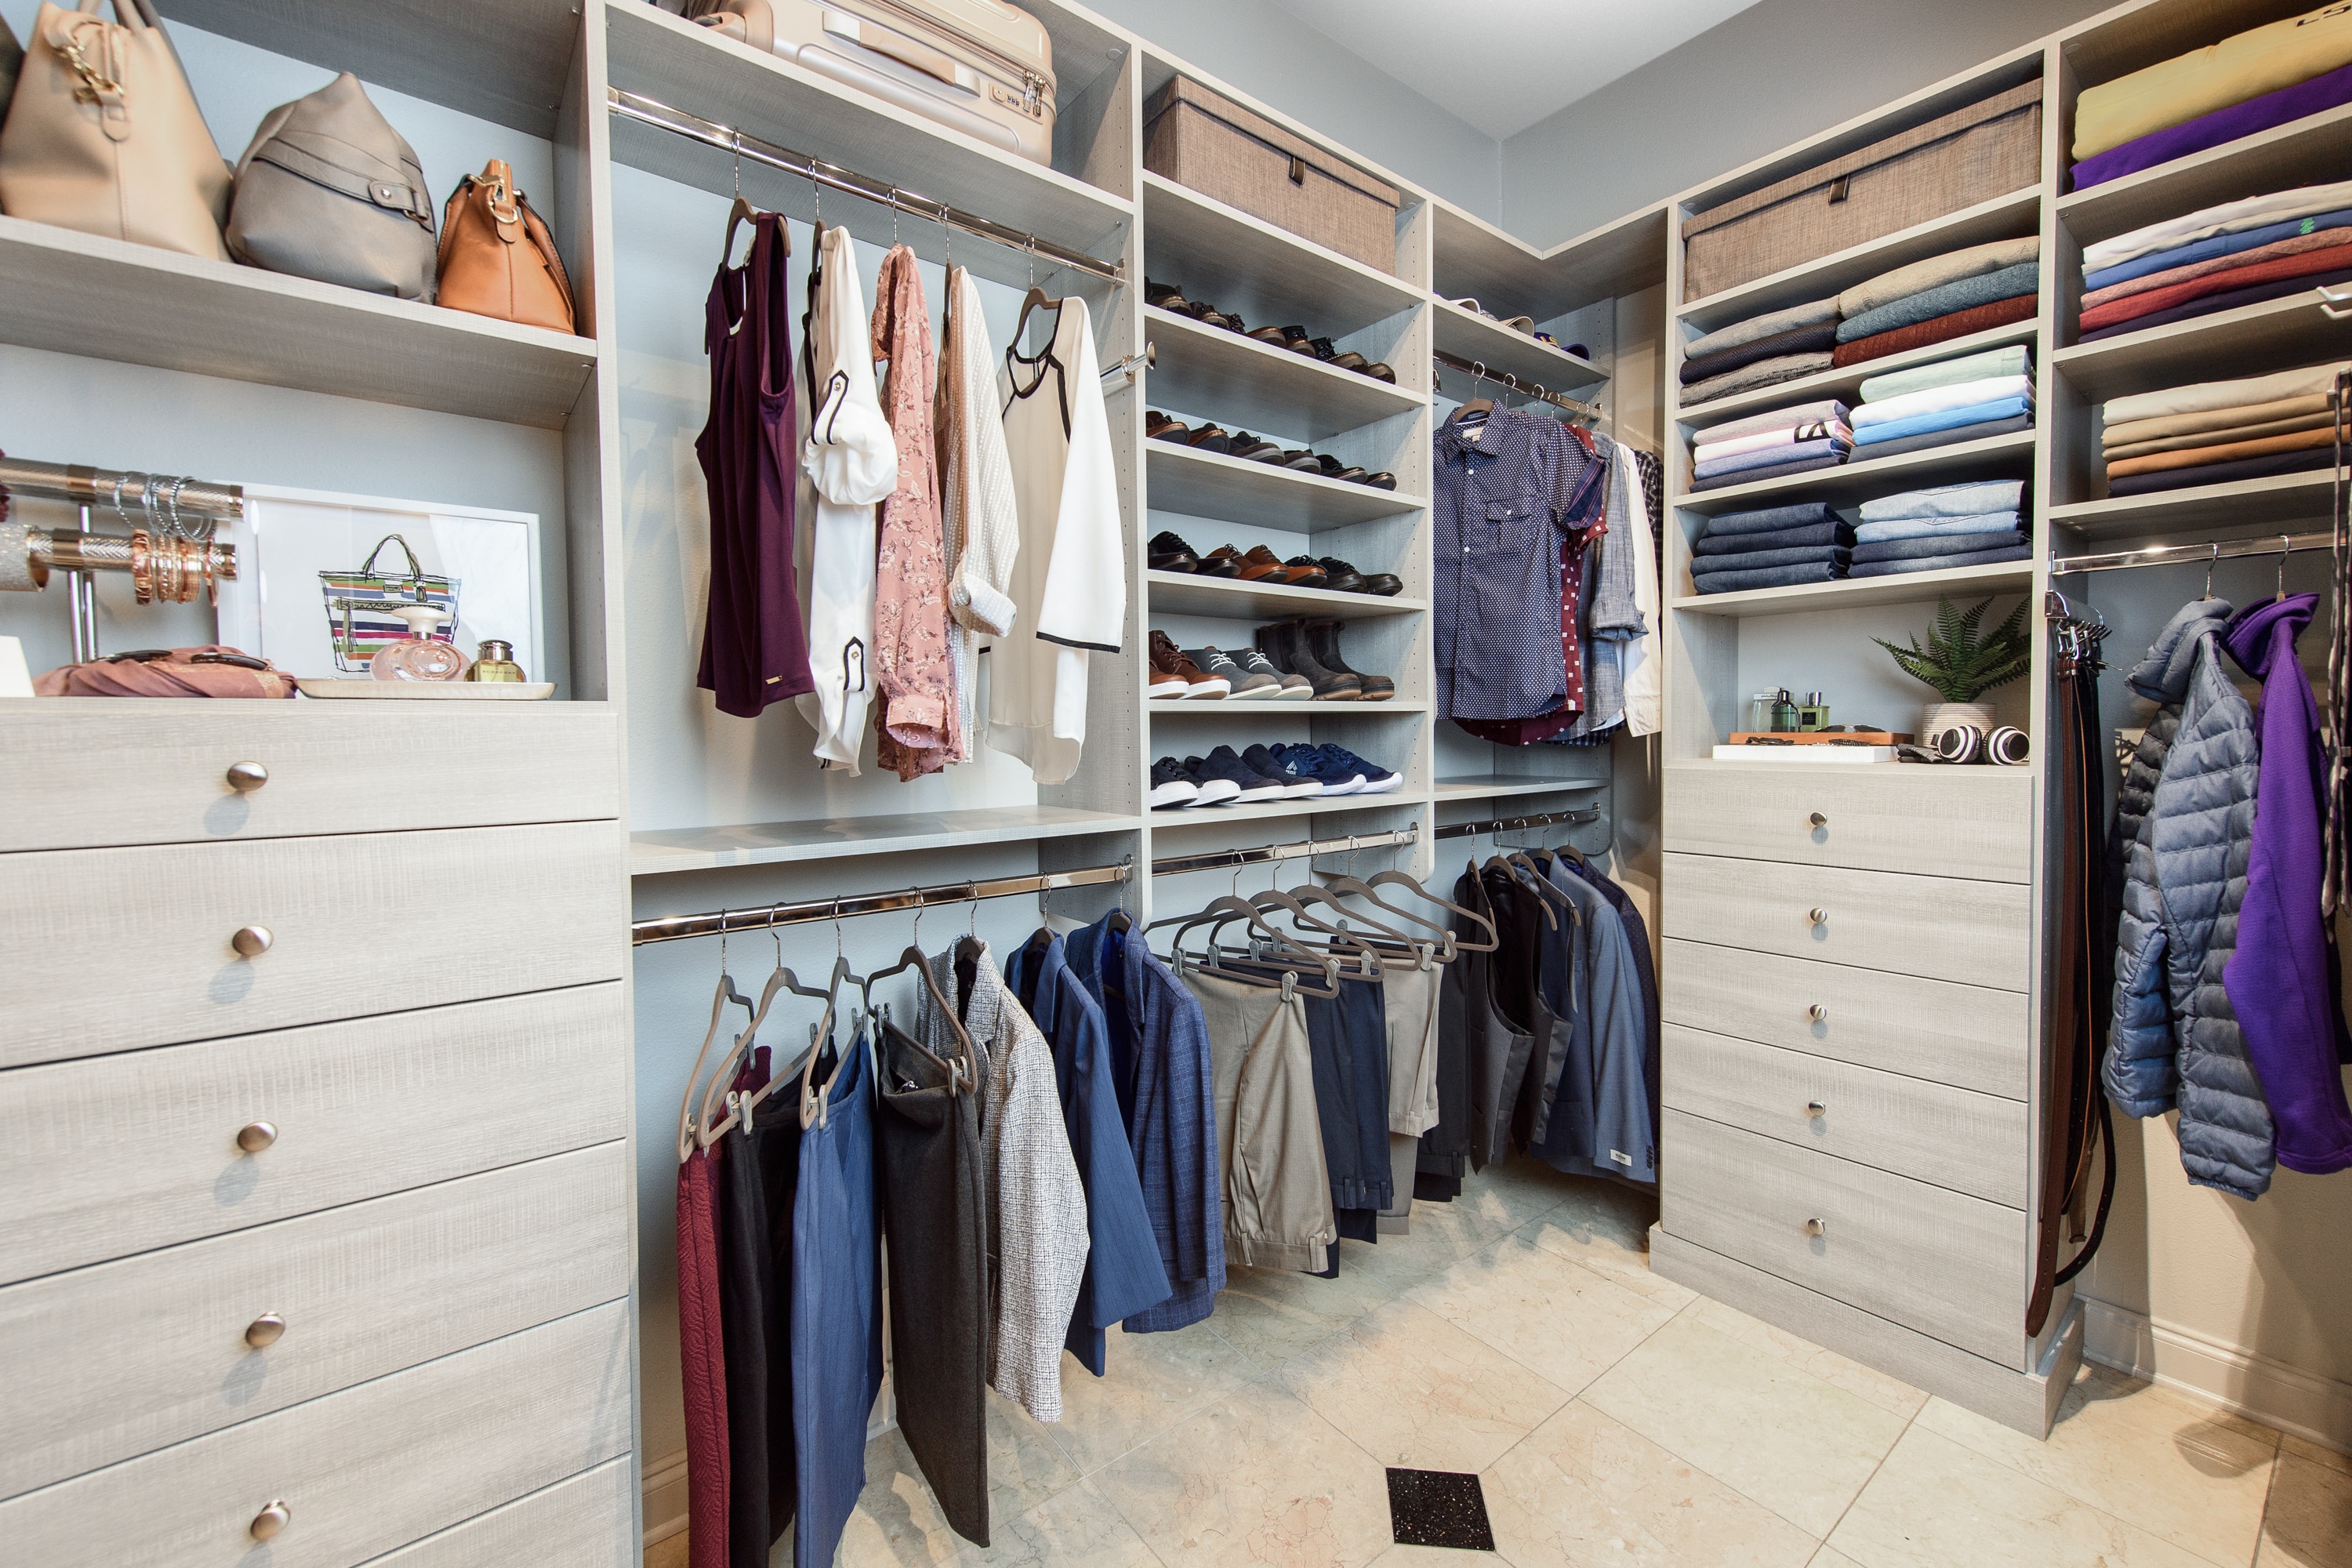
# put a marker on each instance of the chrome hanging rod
(1516, 823)
(721, 922)
(2175, 554)
(1233, 859)
(1539, 391)
(158, 497)
(833, 176)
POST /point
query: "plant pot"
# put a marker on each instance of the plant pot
(1937, 716)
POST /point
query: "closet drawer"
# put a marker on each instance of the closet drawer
(359, 1472)
(1970, 1037)
(1935, 1260)
(78, 772)
(1973, 933)
(1936, 822)
(113, 949)
(1972, 1143)
(125, 1358)
(583, 1522)
(113, 1155)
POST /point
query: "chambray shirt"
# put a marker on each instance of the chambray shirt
(1506, 492)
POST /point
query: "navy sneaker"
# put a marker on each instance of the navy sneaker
(1303, 763)
(1294, 786)
(1172, 786)
(1377, 780)
(1223, 766)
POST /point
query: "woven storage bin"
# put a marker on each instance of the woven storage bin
(1212, 144)
(1988, 149)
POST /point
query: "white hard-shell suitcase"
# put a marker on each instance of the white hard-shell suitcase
(982, 66)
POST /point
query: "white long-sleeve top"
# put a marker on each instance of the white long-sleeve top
(1629, 508)
(981, 514)
(850, 461)
(1070, 578)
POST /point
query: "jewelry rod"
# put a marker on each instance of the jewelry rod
(122, 490)
(833, 176)
(1232, 860)
(1516, 823)
(2169, 554)
(718, 922)
(1542, 393)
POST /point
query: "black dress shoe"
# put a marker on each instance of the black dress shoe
(1311, 572)
(1170, 553)
(1384, 584)
(1340, 577)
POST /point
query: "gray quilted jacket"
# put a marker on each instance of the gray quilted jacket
(2187, 805)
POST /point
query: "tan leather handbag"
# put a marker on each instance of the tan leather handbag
(103, 134)
(497, 256)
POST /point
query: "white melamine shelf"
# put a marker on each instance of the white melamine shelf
(1995, 456)
(1274, 810)
(1845, 382)
(84, 294)
(1222, 255)
(2012, 216)
(1226, 708)
(2284, 503)
(1475, 259)
(1501, 786)
(1211, 373)
(691, 68)
(1470, 336)
(2306, 152)
(1848, 593)
(1235, 490)
(1230, 598)
(2252, 339)
(770, 843)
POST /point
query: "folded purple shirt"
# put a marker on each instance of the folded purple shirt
(2272, 108)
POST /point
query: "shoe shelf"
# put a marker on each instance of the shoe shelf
(1504, 786)
(1208, 372)
(2305, 151)
(1168, 817)
(84, 294)
(1503, 351)
(2252, 339)
(1272, 277)
(1995, 456)
(1230, 598)
(826, 838)
(1846, 381)
(1291, 709)
(2284, 503)
(1235, 490)
(2007, 576)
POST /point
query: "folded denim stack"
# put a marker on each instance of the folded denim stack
(2221, 431)
(1762, 350)
(2251, 82)
(1935, 301)
(1776, 547)
(2239, 253)
(1964, 399)
(1767, 446)
(1938, 530)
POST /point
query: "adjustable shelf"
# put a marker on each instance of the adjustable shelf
(2305, 151)
(1228, 710)
(653, 854)
(1235, 490)
(1274, 810)
(2253, 340)
(1994, 458)
(1502, 351)
(1230, 598)
(2284, 503)
(1506, 787)
(1848, 593)
(1845, 382)
(1223, 256)
(1235, 381)
(1474, 260)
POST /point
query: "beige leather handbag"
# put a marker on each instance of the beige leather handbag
(104, 136)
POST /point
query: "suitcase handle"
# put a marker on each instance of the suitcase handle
(905, 50)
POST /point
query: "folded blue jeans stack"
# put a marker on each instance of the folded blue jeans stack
(1974, 525)
(1776, 547)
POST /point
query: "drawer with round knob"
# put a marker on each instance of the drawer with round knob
(110, 950)
(349, 1477)
(585, 1520)
(1970, 1037)
(124, 1358)
(1942, 928)
(1942, 1262)
(175, 771)
(1953, 1138)
(1976, 822)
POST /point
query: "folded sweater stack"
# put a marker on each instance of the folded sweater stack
(1942, 529)
(1777, 547)
(1762, 350)
(2251, 82)
(2218, 258)
(1767, 446)
(2221, 431)
(1964, 399)
(1935, 301)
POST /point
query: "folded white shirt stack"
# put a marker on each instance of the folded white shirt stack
(1936, 399)
(2229, 217)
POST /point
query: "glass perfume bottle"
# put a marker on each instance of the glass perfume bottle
(417, 657)
(496, 662)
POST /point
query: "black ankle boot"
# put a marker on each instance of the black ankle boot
(1323, 642)
(1285, 643)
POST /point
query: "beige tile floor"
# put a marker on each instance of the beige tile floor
(1615, 1419)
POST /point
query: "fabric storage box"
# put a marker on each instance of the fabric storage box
(1988, 149)
(1205, 141)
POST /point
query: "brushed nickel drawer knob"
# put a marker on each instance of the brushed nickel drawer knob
(1816, 1227)
(247, 777)
(255, 1136)
(270, 1520)
(264, 1331)
(1814, 1109)
(251, 942)
(1820, 917)
(1818, 820)
(1818, 1013)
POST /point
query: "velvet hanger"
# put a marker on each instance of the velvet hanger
(724, 993)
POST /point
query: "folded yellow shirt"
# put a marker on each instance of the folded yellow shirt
(2262, 60)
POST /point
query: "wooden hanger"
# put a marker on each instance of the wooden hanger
(725, 993)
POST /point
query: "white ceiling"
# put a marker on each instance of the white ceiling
(1502, 65)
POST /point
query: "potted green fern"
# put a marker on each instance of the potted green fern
(1960, 665)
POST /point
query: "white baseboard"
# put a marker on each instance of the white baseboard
(663, 1489)
(2312, 1406)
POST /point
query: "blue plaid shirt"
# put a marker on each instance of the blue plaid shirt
(1505, 492)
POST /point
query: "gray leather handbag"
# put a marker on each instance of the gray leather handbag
(329, 190)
